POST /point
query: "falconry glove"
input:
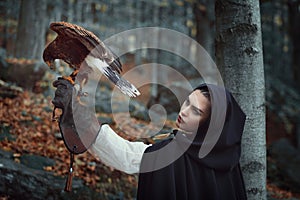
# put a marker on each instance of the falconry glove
(78, 124)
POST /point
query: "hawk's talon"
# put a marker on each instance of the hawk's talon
(74, 73)
(69, 78)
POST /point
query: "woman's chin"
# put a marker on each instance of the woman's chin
(177, 124)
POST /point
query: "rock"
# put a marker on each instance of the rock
(6, 154)
(9, 90)
(14, 73)
(36, 161)
(18, 181)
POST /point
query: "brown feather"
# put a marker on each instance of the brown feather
(74, 43)
(80, 48)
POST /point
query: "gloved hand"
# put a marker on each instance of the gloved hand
(78, 124)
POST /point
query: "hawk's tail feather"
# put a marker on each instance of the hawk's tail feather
(125, 87)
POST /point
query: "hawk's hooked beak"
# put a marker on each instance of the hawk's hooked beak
(51, 65)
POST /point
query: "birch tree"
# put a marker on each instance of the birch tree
(240, 59)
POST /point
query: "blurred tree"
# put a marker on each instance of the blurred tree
(204, 16)
(276, 42)
(9, 10)
(55, 10)
(294, 29)
(31, 29)
(240, 58)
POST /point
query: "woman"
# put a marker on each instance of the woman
(201, 161)
(214, 174)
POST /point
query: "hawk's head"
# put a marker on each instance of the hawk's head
(49, 59)
(67, 46)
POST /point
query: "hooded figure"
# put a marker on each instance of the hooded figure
(197, 166)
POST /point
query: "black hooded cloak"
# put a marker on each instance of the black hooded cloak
(199, 166)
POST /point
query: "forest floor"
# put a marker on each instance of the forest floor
(28, 116)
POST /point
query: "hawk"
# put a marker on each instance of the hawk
(76, 45)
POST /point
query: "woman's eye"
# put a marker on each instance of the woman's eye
(187, 102)
(196, 112)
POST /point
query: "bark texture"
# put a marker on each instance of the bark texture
(240, 59)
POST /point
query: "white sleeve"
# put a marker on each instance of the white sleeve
(117, 152)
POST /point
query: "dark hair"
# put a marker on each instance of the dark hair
(204, 90)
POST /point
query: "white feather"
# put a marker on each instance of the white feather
(97, 63)
(122, 84)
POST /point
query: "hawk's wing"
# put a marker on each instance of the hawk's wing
(90, 41)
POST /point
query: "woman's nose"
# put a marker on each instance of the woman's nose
(184, 111)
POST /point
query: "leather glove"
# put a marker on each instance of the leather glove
(78, 124)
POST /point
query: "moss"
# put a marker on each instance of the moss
(253, 167)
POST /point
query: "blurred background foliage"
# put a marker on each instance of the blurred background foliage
(25, 32)
(24, 26)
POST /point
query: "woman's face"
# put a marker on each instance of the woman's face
(194, 111)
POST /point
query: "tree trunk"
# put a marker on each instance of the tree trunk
(294, 17)
(240, 59)
(31, 29)
(204, 17)
(54, 10)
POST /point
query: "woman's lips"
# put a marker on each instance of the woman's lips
(179, 119)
